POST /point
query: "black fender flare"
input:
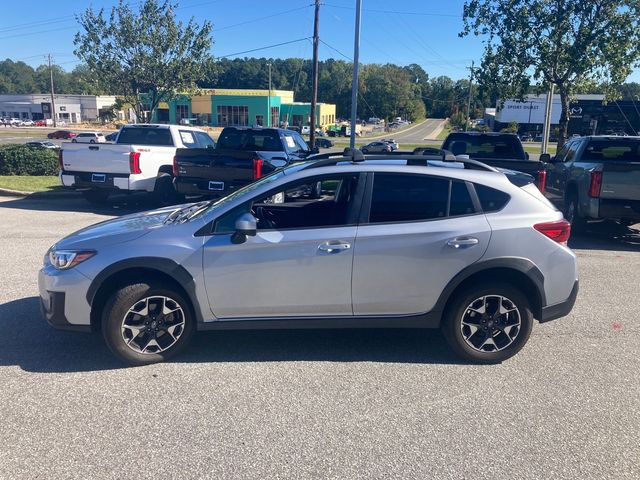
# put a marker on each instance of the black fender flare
(517, 264)
(165, 265)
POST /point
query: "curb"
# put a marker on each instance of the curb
(17, 193)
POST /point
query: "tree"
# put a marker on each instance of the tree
(559, 42)
(148, 52)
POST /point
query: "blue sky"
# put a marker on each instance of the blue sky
(402, 32)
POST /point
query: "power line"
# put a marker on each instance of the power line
(260, 18)
(265, 47)
(375, 10)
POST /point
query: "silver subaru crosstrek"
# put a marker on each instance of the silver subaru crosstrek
(400, 241)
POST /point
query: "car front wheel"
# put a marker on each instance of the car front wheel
(146, 323)
(488, 324)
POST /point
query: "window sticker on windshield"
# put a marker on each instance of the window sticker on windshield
(187, 137)
(291, 143)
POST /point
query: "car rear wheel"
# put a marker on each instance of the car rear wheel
(488, 324)
(96, 195)
(73, 140)
(146, 323)
(164, 191)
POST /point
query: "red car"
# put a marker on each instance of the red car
(40, 123)
(64, 134)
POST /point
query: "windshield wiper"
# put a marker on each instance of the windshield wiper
(183, 214)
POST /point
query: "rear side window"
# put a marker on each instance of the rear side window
(204, 140)
(145, 136)
(461, 203)
(406, 198)
(491, 199)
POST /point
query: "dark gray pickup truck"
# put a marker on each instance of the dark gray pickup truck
(241, 156)
(595, 178)
(500, 150)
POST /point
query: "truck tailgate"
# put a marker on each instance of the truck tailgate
(218, 166)
(621, 180)
(102, 158)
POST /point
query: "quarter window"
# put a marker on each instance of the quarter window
(491, 199)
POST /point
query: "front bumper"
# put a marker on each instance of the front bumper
(559, 310)
(63, 302)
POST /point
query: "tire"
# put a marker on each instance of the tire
(73, 140)
(164, 192)
(472, 345)
(578, 224)
(130, 336)
(96, 195)
(365, 150)
(92, 141)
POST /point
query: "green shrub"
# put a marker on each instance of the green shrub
(27, 160)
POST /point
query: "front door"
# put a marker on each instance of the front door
(299, 262)
(420, 233)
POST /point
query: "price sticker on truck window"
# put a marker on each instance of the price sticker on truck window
(291, 143)
(186, 137)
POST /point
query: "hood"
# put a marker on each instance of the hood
(117, 230)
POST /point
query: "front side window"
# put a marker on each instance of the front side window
(318, 202)
(408, 198)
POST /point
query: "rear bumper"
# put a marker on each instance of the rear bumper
(109, 181)
(562, 309)
(619, 209)
(202, 186)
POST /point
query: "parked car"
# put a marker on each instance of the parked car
(391, 142)
(89, 137)
(377, 147)
(43, 144)
(595, 178)
(111, 137)
(323, 143)
(40, 123)
(501, 150)
(241, 156)
(306, 130)
(140, 160)
(27, 123)
(479, 254)
(61, 134)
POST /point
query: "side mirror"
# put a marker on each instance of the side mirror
(314, 150)
(246, 226)
(545, 158)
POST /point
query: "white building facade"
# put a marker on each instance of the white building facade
(69, 108)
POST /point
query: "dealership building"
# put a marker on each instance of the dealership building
(240, 107)
(589, 115)
(69, 108)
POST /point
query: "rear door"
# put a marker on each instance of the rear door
(419, 232)
(559, 172)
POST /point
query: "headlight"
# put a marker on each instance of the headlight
(65, 259)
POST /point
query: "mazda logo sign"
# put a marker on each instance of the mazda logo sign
(576, 110)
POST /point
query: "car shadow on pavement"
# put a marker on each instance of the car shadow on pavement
(29, 343)
(116, 205)
(607, 236)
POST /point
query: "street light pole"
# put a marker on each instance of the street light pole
(269, 98)
(466, 123)
(53, 99)
(547, 120)
(354, 84)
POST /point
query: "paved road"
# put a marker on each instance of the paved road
(419, 133)
(332, 404)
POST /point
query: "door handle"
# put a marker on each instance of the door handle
(463, 242)
(334, 247)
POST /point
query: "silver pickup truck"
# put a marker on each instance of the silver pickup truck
(594, 178)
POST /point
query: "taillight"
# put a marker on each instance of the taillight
(257, 168)
(596, 184)
(175, 166)
(134, 162)
(542, 180)
(60, 162)
(558, 231)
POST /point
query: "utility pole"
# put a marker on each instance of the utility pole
(354, 84)
(53, 100)
(269, 99)
(466, 123)
(547, 120)
(314, 94)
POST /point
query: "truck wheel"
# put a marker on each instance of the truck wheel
(96, 195)
(578, 224)
(488, 323)
(145, 323)
(164, 192)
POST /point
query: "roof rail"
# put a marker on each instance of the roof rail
(419, 156)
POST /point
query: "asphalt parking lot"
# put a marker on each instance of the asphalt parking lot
(329, 404)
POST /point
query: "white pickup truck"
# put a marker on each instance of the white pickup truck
(140, 160)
